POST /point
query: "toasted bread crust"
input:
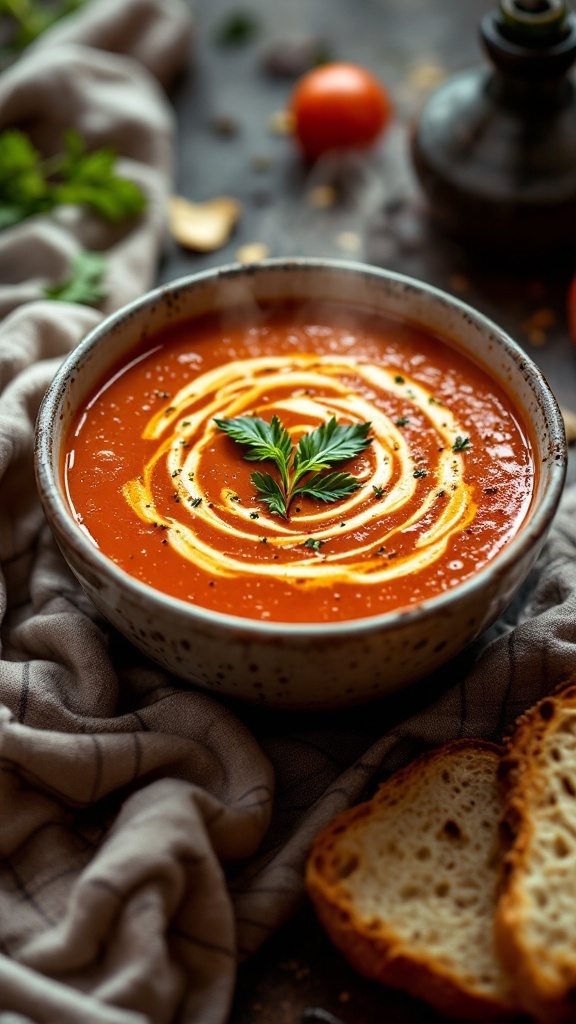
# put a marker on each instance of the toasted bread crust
(542, 967)
(376, 947)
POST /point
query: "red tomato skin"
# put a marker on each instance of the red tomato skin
(338, 106)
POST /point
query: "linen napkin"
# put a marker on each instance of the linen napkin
(151, 837)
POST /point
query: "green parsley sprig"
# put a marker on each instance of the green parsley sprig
(302, 469)
(461, 443)
(238, 28)
(31, 18)
(31, 183)
(85, 282)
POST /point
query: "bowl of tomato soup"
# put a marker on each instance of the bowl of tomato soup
(304, 483)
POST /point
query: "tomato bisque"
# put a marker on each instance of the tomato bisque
(443, 481)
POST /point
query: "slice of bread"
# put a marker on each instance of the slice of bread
(535, 919)
(404, 884)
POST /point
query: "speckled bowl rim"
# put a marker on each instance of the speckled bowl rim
(539, 518)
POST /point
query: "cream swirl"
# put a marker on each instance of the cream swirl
(399, 521)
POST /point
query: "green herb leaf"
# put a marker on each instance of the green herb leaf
(314, 543)
(301, 470)
(328, 487)
(270, 492)
(31, 184)
(264, 440)
(238, 28)
(31, 17)
(23, 188)
(331, 442)
(85, 284)
(460, 444)
(90, 179)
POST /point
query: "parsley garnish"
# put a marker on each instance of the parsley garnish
(85, 283)
(31, 183)
(238, 28)
(460, 444)
(311, 542)
(419, 473)
(32, 18)
(301, 470)
(402, 421)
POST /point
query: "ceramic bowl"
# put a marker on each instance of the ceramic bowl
(304, 666)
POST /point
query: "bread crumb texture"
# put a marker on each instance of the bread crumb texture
(536, 913)
(405, 884)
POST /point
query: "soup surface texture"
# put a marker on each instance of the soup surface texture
(443, 484)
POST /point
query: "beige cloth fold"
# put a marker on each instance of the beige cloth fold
(97, 71)
(118, 800)
(150, 836)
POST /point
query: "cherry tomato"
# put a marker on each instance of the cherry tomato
(338, 106)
